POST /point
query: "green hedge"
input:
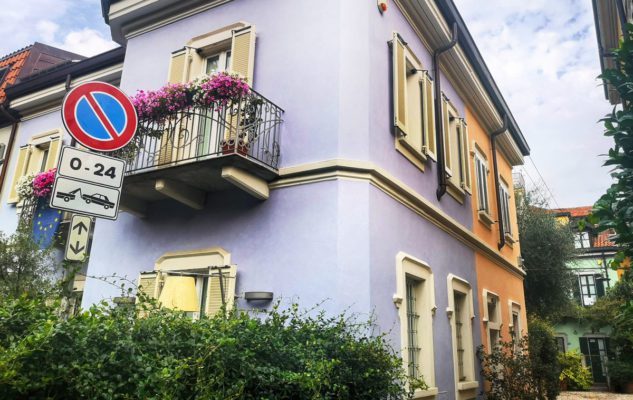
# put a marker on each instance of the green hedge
(109, 353)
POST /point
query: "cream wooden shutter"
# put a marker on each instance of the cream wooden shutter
(177, 66)
(214, 293)
(428, 112)
(20, 170)
(243, 53)
(466, 181)
(149, 284)
(53, 153)
(446, 130)
(399, 84)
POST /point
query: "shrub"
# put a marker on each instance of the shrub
(110, 353)
(514, 373)
(573, 373)
(621, 373)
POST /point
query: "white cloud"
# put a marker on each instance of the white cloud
(74, 25)
(544, 57)
(86, 42)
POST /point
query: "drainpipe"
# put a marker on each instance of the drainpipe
(439, 131)
(6, 113)
(493, 139)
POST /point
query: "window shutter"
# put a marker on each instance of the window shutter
(445, 133)
(149, 284)
(243, 53)
(3, 149)
(466, 183)
(600, 289)
(428, 112)
(399, 84)
(584, 345)
(214, 292)
(177, 66)
(20, 170)
(53, 153)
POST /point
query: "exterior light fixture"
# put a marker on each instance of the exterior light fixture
(258, 296)
(382, 6)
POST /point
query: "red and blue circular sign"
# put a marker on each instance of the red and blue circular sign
(99, 116)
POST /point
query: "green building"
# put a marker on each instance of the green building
(594, 278)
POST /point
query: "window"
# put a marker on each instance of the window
(481, 174)
(505, 209)
(582, 240)
(515, 321)
(3, 73)
(588, 289)
(3, 150)
(198, 282)
(413, 106)
(415, 300)
(39, 155)
(218, 62)
(492, 318)
(455, 147)
(461, 314)
(231, 48)
(561, 343)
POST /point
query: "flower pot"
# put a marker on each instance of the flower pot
(628, 387)
(230, 147)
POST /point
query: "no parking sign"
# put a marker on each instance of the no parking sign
(99, 116)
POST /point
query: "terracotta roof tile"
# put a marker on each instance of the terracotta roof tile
(602, 239)
(575, 211)
(14, 61)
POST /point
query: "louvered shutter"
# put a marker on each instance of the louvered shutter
(20, 170)
(243, 53)
(53, 153)
(428, 112)
(177, 66)
(399, 84)
(214, 292)
(466, 178)
(445, 136)
(149, 284)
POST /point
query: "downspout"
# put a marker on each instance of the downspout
(439, 137)
(493, 139)
(7, 157)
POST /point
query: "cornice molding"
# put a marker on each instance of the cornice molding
(396, 189)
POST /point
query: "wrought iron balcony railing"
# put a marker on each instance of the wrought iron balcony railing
(248, 127)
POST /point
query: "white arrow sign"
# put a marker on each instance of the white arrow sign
(78, 236)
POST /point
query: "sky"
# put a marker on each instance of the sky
(542, 54)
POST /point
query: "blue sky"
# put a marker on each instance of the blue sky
(542, 54)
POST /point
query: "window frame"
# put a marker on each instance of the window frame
(456, 151)
(459, 285)
(409, 267)
(203, 261)
(516, 330)
(589, 286)
(582, 237)
(505, 208)
(482, 172)
(494, 322)
(413, 105)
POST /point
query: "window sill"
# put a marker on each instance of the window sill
(455, 191)
(423, 394)
(510, 241)
(469, 385)
(416, 157)
(485, 218)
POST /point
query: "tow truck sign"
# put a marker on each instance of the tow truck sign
(88, 183)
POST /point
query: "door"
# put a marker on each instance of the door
(594, 350)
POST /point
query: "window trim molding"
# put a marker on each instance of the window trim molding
(512, 306)
(421, 270)
(458, 284)
(498, 326)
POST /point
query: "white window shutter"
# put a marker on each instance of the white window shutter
(214, 290)
(466, 181)
(149, 284)
(20, 170)
(54, 148)
(177, 66)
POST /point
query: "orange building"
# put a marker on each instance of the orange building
(499, 279)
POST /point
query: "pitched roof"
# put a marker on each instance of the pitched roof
(602, 239)
(13, 62)
(575, 211)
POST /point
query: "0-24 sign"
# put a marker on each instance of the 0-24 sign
(91, 167)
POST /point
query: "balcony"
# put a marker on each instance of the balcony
(197, 150)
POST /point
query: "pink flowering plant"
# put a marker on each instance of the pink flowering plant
(43, 183)
(215, 91)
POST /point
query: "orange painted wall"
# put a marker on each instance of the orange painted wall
(491, 276)
(507, 286)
